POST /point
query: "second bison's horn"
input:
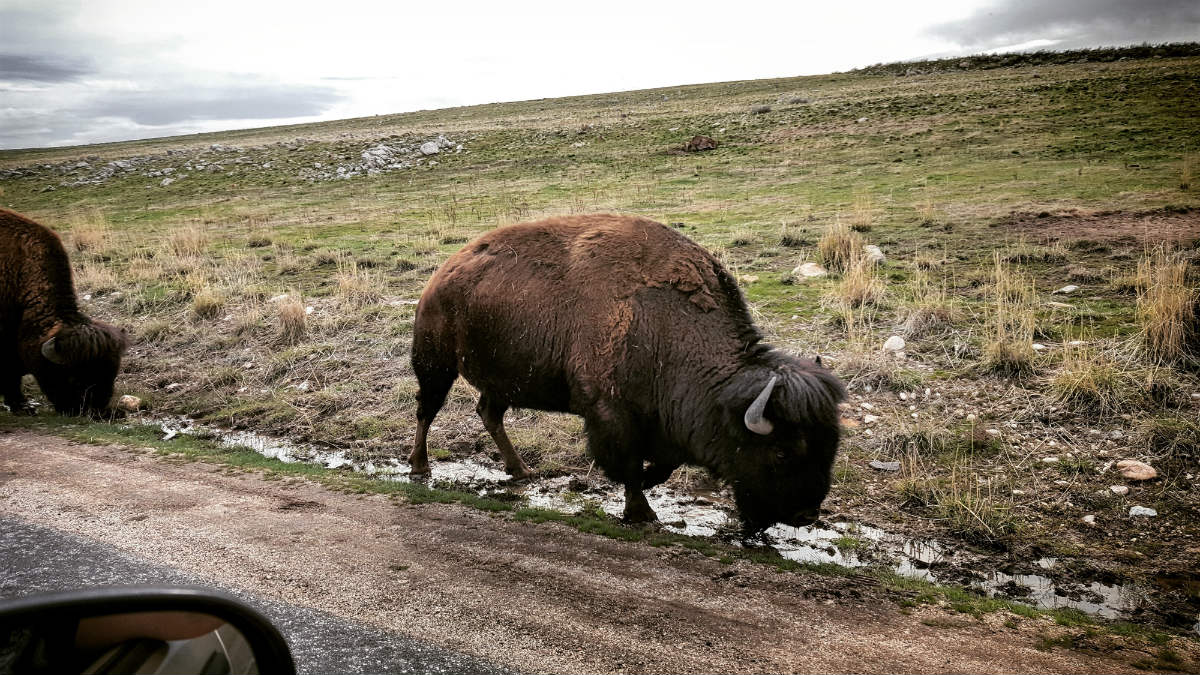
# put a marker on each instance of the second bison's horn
(754, 414)
(51, 353)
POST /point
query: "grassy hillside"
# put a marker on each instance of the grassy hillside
(985, 189)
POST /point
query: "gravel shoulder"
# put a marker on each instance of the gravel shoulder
(531, 597)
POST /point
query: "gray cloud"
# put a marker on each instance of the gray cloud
(1075, 23)
(241, 101)
(21, 68)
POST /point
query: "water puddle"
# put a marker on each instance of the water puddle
(708, 514)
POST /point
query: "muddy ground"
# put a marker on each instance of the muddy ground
(533, 597)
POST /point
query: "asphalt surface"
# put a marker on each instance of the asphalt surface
(36, 559)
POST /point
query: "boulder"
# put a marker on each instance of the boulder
(1142, 511)
(430, 148)
(894, 344)
(1135, 470)
(699, 144)
(810, 270)
(129, 403)
(874, 253)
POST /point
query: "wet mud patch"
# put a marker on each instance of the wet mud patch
(1178, 225)
(1045, 582)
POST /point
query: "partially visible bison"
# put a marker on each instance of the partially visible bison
(74, 359)
(645, 335)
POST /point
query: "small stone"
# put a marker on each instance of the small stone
(894, 344)
(1038, 347)
(1135, 470)
(884, 466)
(809, 270)
(971, 417)
(866, 406)
(993, 432)
(749, 278)
(430, 148)
(1018, 492)
(1069, 288)
(1119, 490)
(173, 386)
(903, 396)
(1116, 434)
(129, 403)
(1142, 511)
(167, 181)
(874, 253)
(870, 419)
(1049, 460)
(1089, 520)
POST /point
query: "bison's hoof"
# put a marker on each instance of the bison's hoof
(639, 516)
(518, 475)
(26, 409)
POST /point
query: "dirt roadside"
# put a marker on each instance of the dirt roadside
(535, 598)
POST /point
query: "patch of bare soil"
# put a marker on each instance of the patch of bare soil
(1147, 227)
(536, 598)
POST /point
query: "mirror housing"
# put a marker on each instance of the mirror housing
(68, 609)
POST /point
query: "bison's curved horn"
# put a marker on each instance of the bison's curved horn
(51, 352)
(754, 414)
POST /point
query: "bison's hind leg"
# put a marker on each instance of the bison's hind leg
(10, 389)
(434, 383)
(492, 412)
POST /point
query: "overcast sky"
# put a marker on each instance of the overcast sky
(86, 71)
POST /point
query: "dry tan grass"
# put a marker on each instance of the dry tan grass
(1092, 381)
(1009, 350)
(90, 231)
(862, 217)
(95, 277)
(930, 309)
(860, 284)
(1166, 307)
(207, 304)
(189, 241)
(356, 286)
(837, 246)
(293, 319)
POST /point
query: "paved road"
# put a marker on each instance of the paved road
(37, 559)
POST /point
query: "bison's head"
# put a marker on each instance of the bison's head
(79, 365)
(783, 422)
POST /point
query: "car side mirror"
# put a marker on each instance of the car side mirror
(134, 629)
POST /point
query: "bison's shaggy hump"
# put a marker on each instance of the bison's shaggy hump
(42, 330)
(642, 332)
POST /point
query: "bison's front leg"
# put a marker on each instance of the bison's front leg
(14, 398)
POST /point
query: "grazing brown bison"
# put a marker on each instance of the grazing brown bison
(42, 331)
(640, 331)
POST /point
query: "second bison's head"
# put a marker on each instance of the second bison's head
(79, 365)
(783, 425)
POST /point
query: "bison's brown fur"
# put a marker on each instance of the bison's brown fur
(74, 359)
(643, 333)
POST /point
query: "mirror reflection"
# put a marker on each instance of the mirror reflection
(132, 642)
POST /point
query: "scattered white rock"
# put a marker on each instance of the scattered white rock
(169, 433)
(167, 181)
(1119, 490)
(1050, 460)
(874, 253)
(430, 148)
(129, 403)
(1142, 511)
(993, 432)
(809, 270)
(971, 417)
(173, 386)
(870, 419)
(894, 344)
(1037, 347)
(1116, 434)
(1060, 305)
(1018, 492)
(866, 406)
(1089, 520)
(1069, 288)
(580, 144)
(903, 396)
(1135, 470)
(884, 466)
(860, 120)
